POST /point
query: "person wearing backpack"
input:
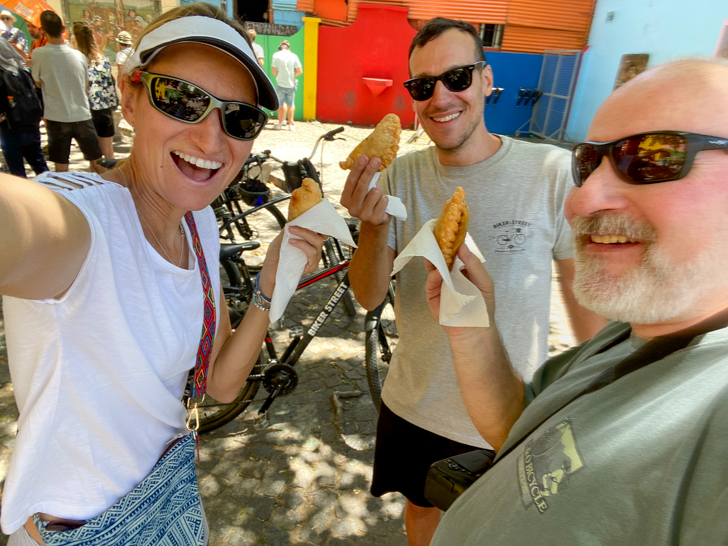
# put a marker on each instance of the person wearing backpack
(20, 114)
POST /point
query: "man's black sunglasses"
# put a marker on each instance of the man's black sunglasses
(646, 158)
(188, 103)
(456, 80)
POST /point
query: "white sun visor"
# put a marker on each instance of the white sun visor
(209, 31)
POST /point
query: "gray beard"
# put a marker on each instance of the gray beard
(656, 290)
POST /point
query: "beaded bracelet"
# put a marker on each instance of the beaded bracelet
(259, 299)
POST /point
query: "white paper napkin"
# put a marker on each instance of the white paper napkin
(461, 303)
(322, 219)
(395, 207)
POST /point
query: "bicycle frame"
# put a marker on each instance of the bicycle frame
(301, 340)
(226, 231)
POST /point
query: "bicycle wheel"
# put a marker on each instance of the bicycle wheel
(381, 338)
(278, 215)
(214, 414)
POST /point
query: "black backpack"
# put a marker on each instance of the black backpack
(24, 106)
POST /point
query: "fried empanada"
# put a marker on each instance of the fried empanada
(304, 198)
(382, 143)
(452, 226)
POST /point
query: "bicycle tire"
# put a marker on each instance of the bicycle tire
(381, 337)
(278, 215)
(232, 272)
(228, 412)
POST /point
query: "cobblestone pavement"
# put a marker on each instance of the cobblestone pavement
(302, 477)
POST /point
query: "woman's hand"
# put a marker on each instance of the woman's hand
(475, 273)
(308, 241)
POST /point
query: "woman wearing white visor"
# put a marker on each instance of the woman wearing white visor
(112, 294)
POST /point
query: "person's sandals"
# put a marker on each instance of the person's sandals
(291, 127)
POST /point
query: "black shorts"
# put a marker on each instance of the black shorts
(103, 122)
(60, 135)
(404, 453)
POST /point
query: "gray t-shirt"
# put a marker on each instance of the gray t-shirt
(516, 199)
(63, 72)
(639, 462)
(286, 62)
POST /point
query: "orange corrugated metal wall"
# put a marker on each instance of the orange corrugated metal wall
(531, 26)
(473, 11)
(535, 26)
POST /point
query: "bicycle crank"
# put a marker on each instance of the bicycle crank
(280, 379)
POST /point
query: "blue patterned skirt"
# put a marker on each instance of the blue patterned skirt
(163, 510)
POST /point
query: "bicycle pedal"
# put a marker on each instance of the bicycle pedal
(296, 331)
(261, 421)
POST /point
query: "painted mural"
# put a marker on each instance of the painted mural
(109, 18)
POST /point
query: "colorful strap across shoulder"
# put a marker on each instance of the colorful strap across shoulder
(199, 383)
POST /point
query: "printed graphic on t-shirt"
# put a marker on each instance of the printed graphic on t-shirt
(511, 236)
(547, 464)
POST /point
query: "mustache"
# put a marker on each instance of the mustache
(612, 224)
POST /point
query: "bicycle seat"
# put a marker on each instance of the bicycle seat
(228, 251)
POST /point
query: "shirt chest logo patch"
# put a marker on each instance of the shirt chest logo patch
(547, 464)
(511, 236)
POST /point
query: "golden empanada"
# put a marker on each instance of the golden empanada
(382, 143)
(303, 198)
(452, 226)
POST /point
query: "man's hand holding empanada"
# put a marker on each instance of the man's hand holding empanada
(382, 143)
(452, 226)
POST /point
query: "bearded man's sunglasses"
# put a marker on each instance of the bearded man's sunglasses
(646, 158)
(188, 103)
(456, 80)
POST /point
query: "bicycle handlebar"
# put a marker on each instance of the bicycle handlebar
(330, 135)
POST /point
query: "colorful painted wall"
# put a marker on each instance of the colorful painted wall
(361, 68)
(664, 30)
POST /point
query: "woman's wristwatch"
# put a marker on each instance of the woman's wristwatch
(259, 300)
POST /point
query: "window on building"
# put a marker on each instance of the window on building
(492, 35)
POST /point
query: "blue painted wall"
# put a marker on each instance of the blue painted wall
(511, 71)
(662, 28)
(288, 17)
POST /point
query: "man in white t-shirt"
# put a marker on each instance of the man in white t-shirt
(257, 48)
(286, 67)
(62, 75)
(515, 192)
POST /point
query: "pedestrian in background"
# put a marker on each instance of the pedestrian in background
(12, 34)
(257, 48)
(20, 113)
(39, 39)
(101, 90)
(124, 40)
(286, 67)
(62, 74)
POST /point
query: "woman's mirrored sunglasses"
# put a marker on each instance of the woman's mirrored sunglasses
(456, 80)
(188, 103)
(646, 158)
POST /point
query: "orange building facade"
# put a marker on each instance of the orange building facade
(529, 26)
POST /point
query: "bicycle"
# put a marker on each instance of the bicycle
(277, 374)
(518, 238)
(253, 190)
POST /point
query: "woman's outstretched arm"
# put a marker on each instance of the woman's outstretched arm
(44, 240)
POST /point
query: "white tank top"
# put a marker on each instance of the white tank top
(98, 374)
